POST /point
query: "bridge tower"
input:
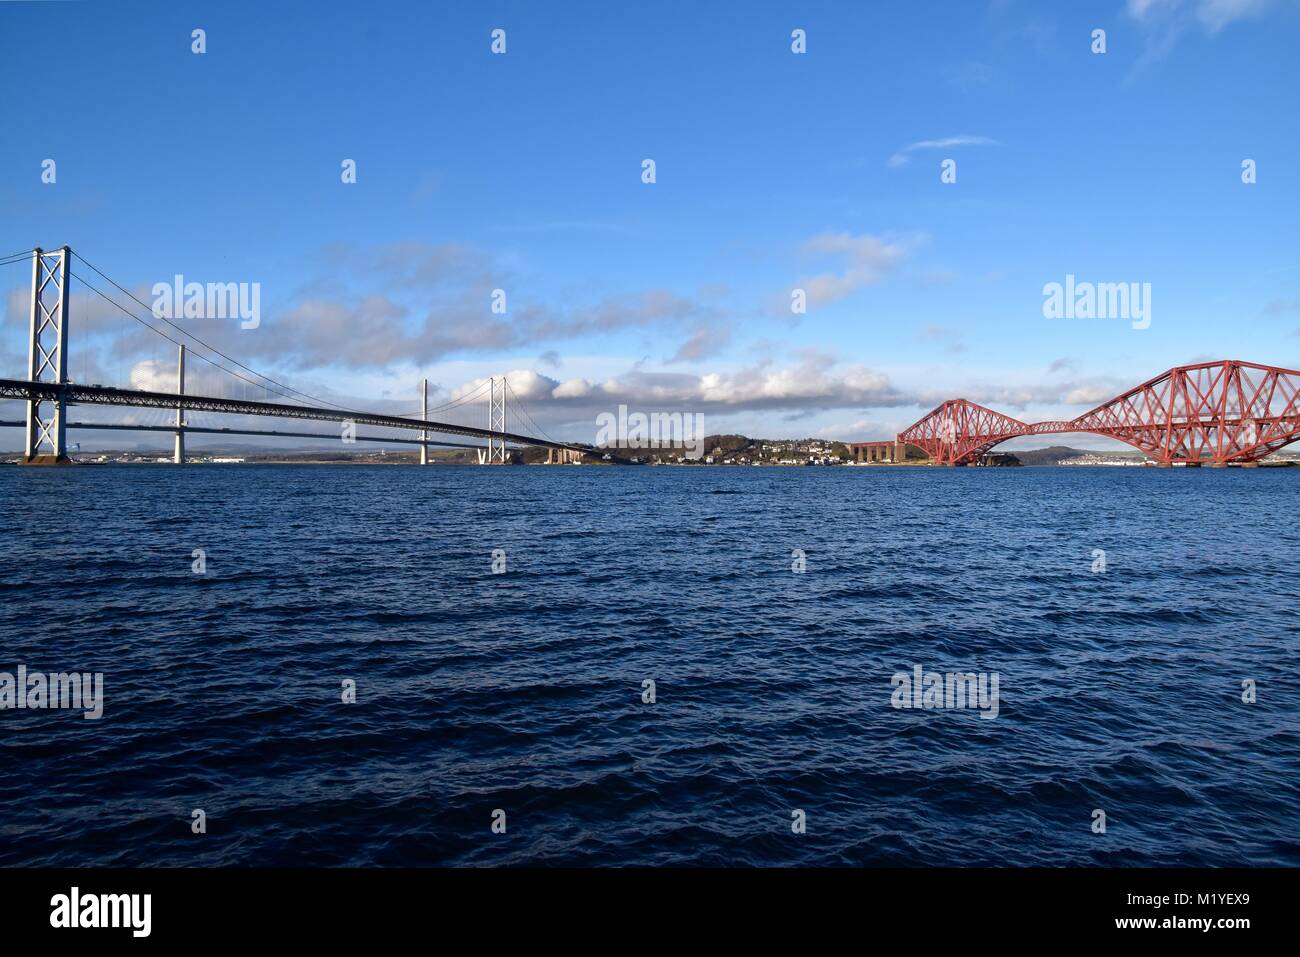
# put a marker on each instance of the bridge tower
(179, 456)
(496, 449)
(424, 414)
(47, 427)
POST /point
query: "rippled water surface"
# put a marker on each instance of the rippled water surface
(522, 691)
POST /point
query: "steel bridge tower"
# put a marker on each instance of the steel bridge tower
(178, 455)
(496, 450)
(495, 453)
(424, 414)
(47, 426)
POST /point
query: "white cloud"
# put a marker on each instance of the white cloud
(1090, 395)
(1142, 9)
(813, 382)
(1214, 15)
(865, 261)
(900, 158)
(572, 389)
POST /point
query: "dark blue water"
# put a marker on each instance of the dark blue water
(522, 691)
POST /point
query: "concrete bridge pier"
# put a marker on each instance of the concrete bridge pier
(875, 452)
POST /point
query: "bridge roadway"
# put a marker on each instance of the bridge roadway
(74, 394)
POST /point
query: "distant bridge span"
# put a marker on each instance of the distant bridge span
(1211, 413)
(73, 394)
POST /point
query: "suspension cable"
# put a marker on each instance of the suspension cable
(275, 386)
(206, 345)
(524, 410)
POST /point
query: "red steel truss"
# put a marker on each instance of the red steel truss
(1212, 413)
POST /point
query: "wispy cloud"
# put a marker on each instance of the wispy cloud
(950, 338)
(1281, 307)
(861, 261)
(901, 157)
(1213, 15)
(562, 225)
(707, 339)
(1166, 21)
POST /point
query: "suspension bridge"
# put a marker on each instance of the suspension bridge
(48, 391)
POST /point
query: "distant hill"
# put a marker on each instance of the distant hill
(1056, 454)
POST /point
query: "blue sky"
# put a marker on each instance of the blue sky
(775, 171)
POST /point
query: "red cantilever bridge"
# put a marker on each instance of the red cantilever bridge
(1211, 413)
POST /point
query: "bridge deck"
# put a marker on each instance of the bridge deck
(74, 394)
